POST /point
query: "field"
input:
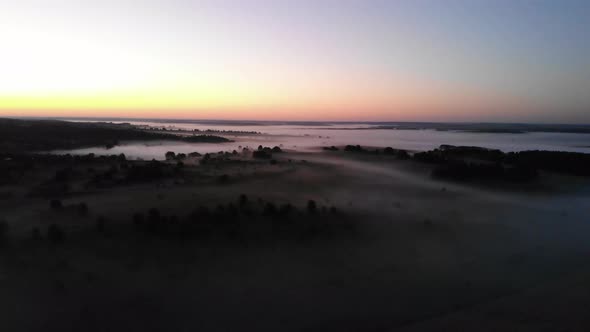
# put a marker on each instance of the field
(340, 239)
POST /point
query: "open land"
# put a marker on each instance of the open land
(345, 238)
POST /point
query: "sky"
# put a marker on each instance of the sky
(369, 60)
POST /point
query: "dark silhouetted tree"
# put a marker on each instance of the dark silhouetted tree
(243, 200)
(138, 219)
(170, 155)
(55, 234)
(224, 178)
(36, 234)
(55, 204)
(270, 209)
(82, 209)
(311, 206)
(3, 230)
(101, 224)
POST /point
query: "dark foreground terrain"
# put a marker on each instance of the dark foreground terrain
(347, 239)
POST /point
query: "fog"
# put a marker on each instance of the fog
(310, 137)
(421, 248)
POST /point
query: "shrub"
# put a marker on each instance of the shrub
(153, 220)
(82, 209)
(403, 154)
(261, 154)
(3, 229)
(63, 175)
(206, 158)
(388, 150)
(138, 219)
(55, 204)
(270, 209)
(433, 157)
(285, 209)
(36, 234)
(353, 148)
(311, 206)
(55, 234)
(243, 200)
(154, 214)
(152, 171)
(101, 224)
(400, 154)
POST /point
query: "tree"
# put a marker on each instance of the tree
(138, 219)
(170, 155)
(3, 230)
(311, 206)
(36, 234)
(194, 154)
(55, 234)
(55, 204)
(269, 209)
(261, 154)
(101, 224)
(82, 209)
(223, 178)
(154, 214)
(243, 199)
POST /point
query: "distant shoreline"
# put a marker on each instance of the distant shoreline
(46, 135)
(474, 127)
(312, 122)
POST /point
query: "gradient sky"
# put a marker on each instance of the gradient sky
(452, 60)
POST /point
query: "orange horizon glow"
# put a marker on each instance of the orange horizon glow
(300, 60)
(332, 97)
(428, 109)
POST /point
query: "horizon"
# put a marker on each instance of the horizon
(349, 61)
(163, 119)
